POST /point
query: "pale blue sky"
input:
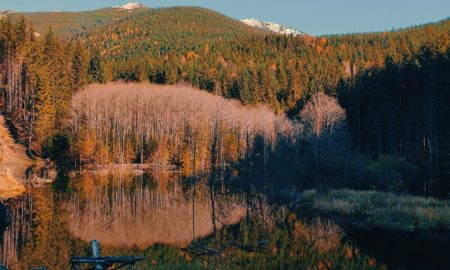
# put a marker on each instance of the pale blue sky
(316, 17)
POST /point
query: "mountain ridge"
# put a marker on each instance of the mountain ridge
(75, 22)
(169, 29)
(68, 22)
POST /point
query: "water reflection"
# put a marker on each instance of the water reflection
(18, 230)
(119, 209)
(130, 211)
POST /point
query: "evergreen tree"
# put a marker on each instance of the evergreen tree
(44, 109)
(80, 64)
(96, 69)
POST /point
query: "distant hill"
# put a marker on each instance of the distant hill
(164, 25)
(63, 22)
(168, 30)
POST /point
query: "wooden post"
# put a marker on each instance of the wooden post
(103, 263)
(96, 253)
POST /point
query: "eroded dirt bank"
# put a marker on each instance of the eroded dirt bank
(13, 163)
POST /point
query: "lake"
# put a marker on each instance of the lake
(178, 223)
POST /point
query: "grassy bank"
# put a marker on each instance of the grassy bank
(382, 209)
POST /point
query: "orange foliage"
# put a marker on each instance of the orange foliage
(319, 49)
(87, 147)
(191, 55)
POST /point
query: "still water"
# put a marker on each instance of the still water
(173, 222)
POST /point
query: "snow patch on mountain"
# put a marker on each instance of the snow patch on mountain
(130, 6)
(273, 27)
(4, 13)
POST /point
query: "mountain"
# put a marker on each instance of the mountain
(167, 30)
(273, 27)
(63, 22)
(130, 6)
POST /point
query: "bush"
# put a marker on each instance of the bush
(391, 164)
(388, 173)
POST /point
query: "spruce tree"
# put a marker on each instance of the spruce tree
(96, 69)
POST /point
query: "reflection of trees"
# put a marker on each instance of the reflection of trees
(126, 210)
(37, 235)
(17, 233)
(141, 213)
(260, 212)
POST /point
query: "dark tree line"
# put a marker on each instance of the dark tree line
(402, 110)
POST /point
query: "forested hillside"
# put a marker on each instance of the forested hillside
(68, 23)
(393, 85)
(271, 69)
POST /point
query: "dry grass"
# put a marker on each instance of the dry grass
(322, 235)
(382, 209)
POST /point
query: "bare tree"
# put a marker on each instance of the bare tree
(323, 121)
(188, 126)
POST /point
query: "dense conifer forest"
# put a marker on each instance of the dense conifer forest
(394, 88)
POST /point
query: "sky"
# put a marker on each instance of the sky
(316, 17)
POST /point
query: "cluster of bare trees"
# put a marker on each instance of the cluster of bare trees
(123, 123)
(197, 131)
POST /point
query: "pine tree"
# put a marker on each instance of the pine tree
(44, 109)
(294, 90)
(96, 69)
(80, 64)
(245, 94)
